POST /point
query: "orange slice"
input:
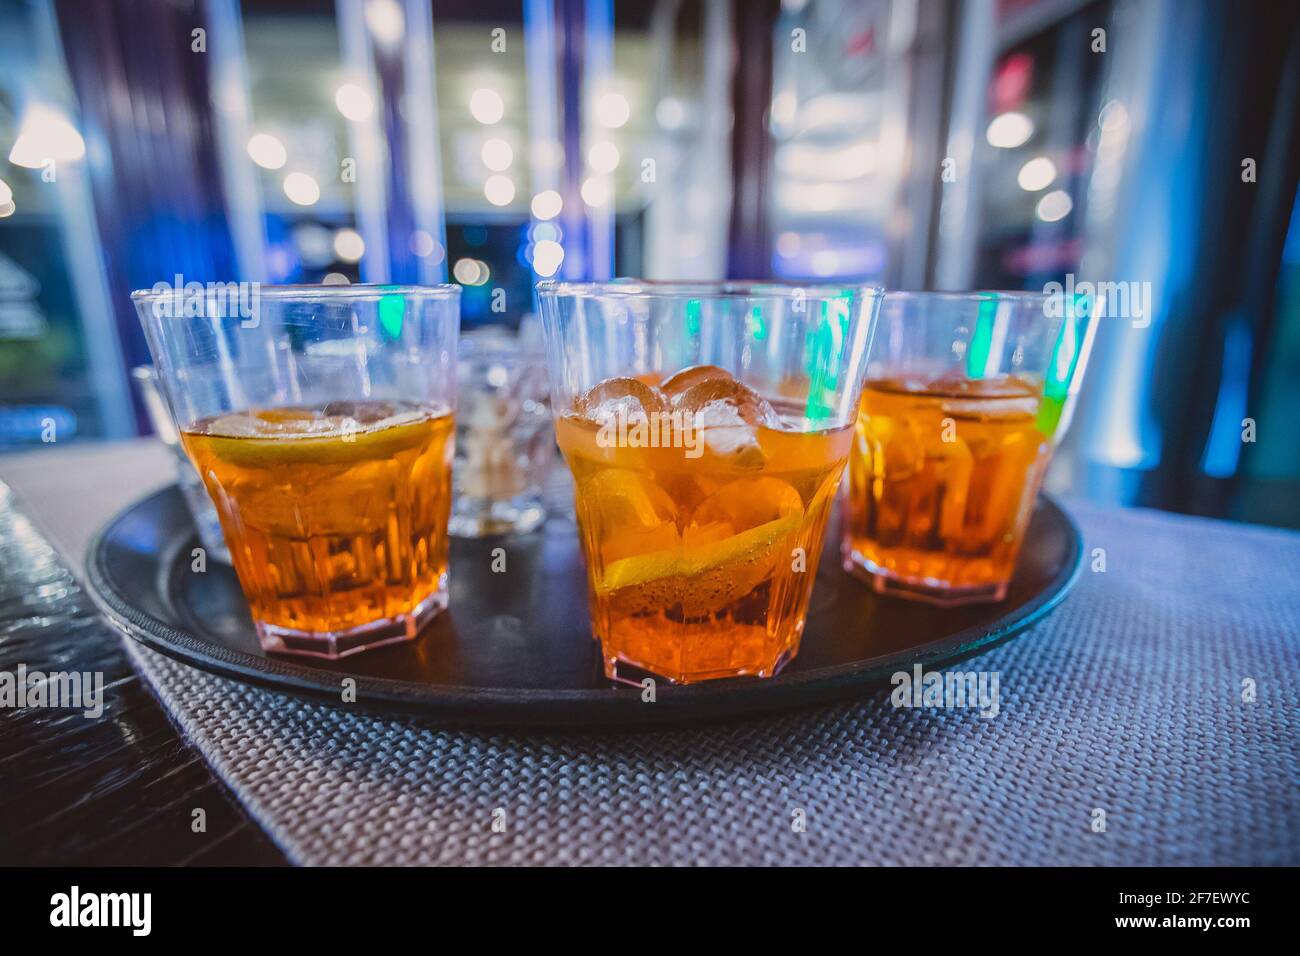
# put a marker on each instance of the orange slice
(333, 448)
(703, 578)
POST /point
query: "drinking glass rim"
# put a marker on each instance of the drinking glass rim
(973, 294)
(358, 290)
(704, 288)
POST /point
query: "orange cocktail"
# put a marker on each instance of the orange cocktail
(965, 395)
(943, 478)
(319, 418)
(702, 508)
(336, 517)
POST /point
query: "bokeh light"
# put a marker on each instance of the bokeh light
(301, 189)
(1036, 174)
(486, 106)
(497, 154)
(348, 245)
(267, 151)
(1055, 206)
(499, 190)
(354, 102)
(1009, 130)
(547, 256)
(603, 157)
(612, 110)
(547, 204)
(595, 191)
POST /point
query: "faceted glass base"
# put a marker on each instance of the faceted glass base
(929, 590)
(333, 645)
(623, 671)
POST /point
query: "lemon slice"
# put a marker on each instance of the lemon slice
(625, 498)
(702, 579)
(328, 449)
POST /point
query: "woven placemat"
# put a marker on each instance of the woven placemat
(1124, 736)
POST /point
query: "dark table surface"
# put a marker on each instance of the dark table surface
(120, 789)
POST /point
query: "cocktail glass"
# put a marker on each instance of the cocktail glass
(320, 420)
(966, 394)
(706, 426)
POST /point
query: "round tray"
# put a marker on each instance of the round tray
(517, 648)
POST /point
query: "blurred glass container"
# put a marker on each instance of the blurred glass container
(196, 496)
(505, 442)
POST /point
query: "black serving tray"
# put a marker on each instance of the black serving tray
(516, 648)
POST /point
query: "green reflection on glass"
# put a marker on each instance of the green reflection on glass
(977, 351)
(822, 353)
(392, 310)
(692, 317)
(1060, 370)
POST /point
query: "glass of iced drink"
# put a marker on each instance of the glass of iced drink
(706, 426)
(320, 420)
(966, 394)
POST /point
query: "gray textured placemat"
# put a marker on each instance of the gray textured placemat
(1128, 700)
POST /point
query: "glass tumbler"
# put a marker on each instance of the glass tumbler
(964, 398)
(320, 420)
(706, 426)
(505, 444)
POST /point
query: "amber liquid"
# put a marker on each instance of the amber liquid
(942, 481)
(336, 518)
(702, 567)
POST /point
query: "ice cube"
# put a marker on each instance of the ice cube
(679, 382)
(956, 385)
(727, 435)
(728, 415)
(982, 399)
(620, 398)
(719, 414)
(712, 394)
(739, 445)
(997, 409)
